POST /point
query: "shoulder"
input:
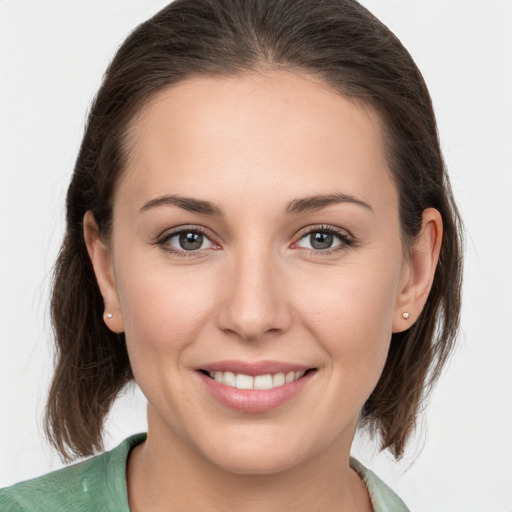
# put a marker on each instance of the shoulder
(98, 483)
(383, 498)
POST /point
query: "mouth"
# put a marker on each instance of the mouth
(254, 387)
(260, 382)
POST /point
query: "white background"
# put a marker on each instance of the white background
(52, 56)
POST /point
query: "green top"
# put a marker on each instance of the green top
(99, 484)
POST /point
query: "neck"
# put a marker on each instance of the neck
(164, 473)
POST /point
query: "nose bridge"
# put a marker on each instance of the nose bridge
(254, 303)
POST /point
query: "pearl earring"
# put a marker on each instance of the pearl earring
(109, 315)
(406, 315)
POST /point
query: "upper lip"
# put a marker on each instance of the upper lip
(253, 368)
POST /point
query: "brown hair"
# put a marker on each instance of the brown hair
(337, 41)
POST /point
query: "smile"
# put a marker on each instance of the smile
(254, 387)
(267, 381)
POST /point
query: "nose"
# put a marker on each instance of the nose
(254, 302)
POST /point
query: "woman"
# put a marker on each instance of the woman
(261, 233)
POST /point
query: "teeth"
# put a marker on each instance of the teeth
(229, 379)
(278, 380)
(267, 381)
(263, 382)
(244, 381)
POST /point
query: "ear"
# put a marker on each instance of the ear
(101, 259)
(420, 267)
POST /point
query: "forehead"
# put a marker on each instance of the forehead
(274, 132)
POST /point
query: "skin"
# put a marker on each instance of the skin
(256, 288)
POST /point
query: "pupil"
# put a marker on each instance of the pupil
(190, 241)
(321, 240)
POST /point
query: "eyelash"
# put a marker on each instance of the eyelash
(346, 240)
(162, 241)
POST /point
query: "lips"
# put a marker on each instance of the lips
(266, 381)
(254, 387)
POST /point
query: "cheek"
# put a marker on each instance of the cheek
(350, 311)
(163, 309)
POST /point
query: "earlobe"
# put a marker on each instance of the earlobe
(422, 263)
(101, 260)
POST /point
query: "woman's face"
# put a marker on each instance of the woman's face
(256, 233)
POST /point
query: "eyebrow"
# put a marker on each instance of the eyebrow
(318, 202)
(186, 203)
(294, 207)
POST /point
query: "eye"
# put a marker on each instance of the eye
(325, 239)
(186, 240)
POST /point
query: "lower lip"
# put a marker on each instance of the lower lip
(254, 400)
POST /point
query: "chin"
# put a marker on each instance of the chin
(243, 462)
(256, 453)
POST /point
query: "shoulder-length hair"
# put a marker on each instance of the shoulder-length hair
(338, 42)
